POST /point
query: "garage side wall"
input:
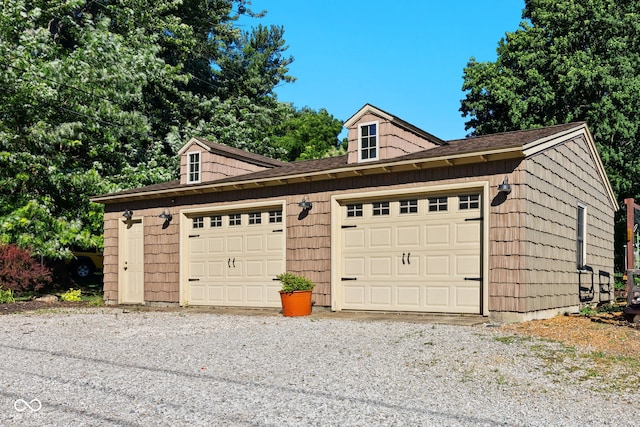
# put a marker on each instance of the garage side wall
(161, 253)
(548, 188)
(110, 269)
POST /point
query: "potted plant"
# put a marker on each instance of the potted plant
(295, 294)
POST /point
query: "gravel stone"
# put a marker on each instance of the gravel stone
(103, 366)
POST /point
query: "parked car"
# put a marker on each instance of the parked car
(85, 263)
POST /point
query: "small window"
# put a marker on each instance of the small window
(380, 208)
(235, 219)
(193, 167)
(216, 221)
(581, 231)
(198, 222)
(470, 201)
(438, 204)
(255, 218)
(408, 206)
(354, 210)
(275, 217)
(368, 147)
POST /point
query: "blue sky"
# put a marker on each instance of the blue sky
(406, 58)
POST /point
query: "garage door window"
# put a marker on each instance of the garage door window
(437, 204)
(354, 210)
(216, 221)
(198, 222)
(469, 201)
(408, 206)
(235, 219)
(380, 208)
(255, 218)
(275, 217)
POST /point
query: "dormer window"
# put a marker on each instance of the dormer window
(193, 167)
(368, 142)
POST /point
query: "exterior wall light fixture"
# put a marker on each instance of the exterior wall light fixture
(128, 214)
(167, 218)
(305, 204)
(505, 187)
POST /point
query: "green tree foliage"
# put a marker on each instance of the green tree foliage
(98, 95)
(569, 61)
(308, 134)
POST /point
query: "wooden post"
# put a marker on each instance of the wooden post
(631, 207)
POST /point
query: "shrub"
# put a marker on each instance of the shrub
(6, 296)
(19, 272)
(292, 282)
(71, 295)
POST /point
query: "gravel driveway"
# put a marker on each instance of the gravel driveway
(105, 367)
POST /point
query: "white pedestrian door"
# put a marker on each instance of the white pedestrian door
(412, 254)
(235, 257)
(132, 262)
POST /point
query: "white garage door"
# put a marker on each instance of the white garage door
(414, 254)
(234, 257)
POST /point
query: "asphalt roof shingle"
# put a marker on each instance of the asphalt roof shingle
(278, 169)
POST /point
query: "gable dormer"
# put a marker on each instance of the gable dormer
(375, 134)
(204, 161)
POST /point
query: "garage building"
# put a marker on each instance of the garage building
(513, 226)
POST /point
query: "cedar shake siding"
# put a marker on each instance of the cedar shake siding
(308, 242)
(533, 242)
(397, 141)
(218, 161)
(528, 238)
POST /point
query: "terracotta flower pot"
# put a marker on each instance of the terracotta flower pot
(296, 303)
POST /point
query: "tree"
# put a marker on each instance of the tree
(568, 61)
(308, 134)
(98, 95)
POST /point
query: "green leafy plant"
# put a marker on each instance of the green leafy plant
(6, 296)
(94, 300)
(71, 295)
(292, 282)
(588, 310)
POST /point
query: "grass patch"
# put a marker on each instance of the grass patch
(513, 339)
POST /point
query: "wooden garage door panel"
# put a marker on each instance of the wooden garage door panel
(354, 266)
(242, 258)
(354, 295)
(467, 265)
(197, 268)
(408, 297)
(380, 237)
(438, 266)
(196, 246)
(198, 293)
(275, 243)
(467, 233)
(215, 293)
(215, 269)
(408, 236)
(216, 245)
(354, 238)
(274, 267)
(413, 261)
(438, 297)
(380, 266)
(255, 268)
(467, 298)
(408, 265)
(438, 234)
(255, 243)
(235, 244)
